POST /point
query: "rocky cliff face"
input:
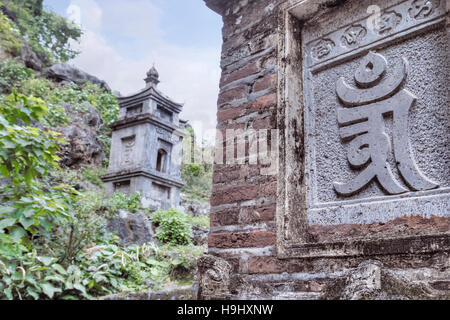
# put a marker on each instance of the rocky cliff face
(83, 147)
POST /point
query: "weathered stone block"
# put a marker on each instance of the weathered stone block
(364, 118)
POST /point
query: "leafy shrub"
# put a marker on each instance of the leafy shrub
(174, 227)
(12, 73)
(121, 201)
(93, 175)
(201, 221)
(47, 33)
(197, 176)
(9, 35)
(198, 182)
(79, 99)
(192, 170)
(30, 206)
(45, 90)
(97, 97)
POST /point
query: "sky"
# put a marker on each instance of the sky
(122, 39)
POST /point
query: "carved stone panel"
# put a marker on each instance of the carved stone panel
(375, 112)
(128, 145)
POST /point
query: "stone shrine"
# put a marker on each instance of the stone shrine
(355, 96)
(146, 148)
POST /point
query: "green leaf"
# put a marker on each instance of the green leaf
(80, 288)
(49, 290)
(17, 233)
(8, 293)
(176, 262)
(4, 171)
(26, 222)
(7, 210)
(7, 222)
(33, 293)
(56, 278)
(47, 261)
(8, 144)
(28, 213)
(59, 268)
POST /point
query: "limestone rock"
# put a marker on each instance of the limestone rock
(372, 281)
(213, 278)
(132, 228)
(199, 235)
(364, 282)
(83, 146)
(30, 59)
(175, 293)
(65, 72)
(169, 293)
(196, 208)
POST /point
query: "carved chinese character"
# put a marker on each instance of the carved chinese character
(361, 122)
(389, 21)
(322, 48)
(353, 35)
(420, 9)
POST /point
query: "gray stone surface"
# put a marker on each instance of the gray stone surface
(355, 168)
(170, 293)
(30, 58)
(66, 72)
(194, 207)
(199, 235)
(83, 146)
(371, 280)
(329, 137)
(132, 228)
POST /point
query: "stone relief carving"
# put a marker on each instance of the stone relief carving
(353, 36)
(421, 9)
(361, 122)
(164, 134)
(214, 277)
(135, 110)
(322, 48)
(128, 146)
(389, 21)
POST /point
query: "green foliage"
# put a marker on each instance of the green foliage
(89, 94)
(25, 152)
(47, 33)
(53, 243)
(93, 175)
(198, 181)
(26, 155)
(31, 207)
(79, 99)
(197, 176)
(9, 35)
(101, 100)
(201, 221)
(174, 227)
(46, 90)
(121, 201)
(12, 74)
(192, 170)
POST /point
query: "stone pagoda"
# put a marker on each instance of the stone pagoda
(146, 148)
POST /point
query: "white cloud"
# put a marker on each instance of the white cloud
(90, 13)
(188, 75)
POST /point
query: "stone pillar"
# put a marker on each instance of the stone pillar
(362, 126)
